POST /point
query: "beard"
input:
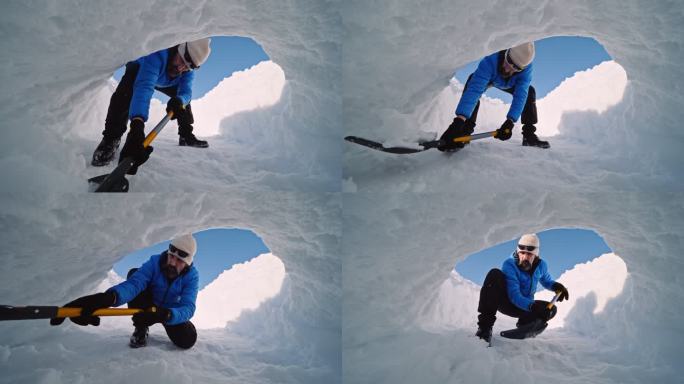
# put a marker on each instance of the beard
(525, 265)
(169, 271)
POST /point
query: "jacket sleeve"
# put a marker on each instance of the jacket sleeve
(186, 310)
(475, 88)
(513, 288)
(520, 94)
(143, 88)
(185, 87)
(546, 280)
(129, 289)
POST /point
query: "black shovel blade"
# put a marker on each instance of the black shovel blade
(525, 331)
(397, 150)
(118, 185)
(115, 181)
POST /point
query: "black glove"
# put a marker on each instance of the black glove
(558, 287)
(174, 105)
(134, 146)
(88, 305)
(456, 129)
(540, 310)
(506, 131)
(145, 319)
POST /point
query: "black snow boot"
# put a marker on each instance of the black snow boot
(139, 337)
(530, 139)
(189, 140)
(105, 151)
(484, 333)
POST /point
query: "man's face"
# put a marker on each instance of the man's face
(525, 259)
(174, 266)
(508, 69)
(176, 66)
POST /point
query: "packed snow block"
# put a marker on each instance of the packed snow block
(57, 88)
(394, 287)
(59, 247)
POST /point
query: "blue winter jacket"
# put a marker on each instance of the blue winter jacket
(151, 75)
(521, 285)
(487, 75)
(179, 295)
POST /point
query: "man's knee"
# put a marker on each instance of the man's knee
(131, 272)
(495, 274)
(183, 335)
(531, 94)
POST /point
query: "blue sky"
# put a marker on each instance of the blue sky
(228, 54)
(217, 251)
(561, 248)
(556, 58)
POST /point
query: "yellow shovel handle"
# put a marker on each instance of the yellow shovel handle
(75, 312)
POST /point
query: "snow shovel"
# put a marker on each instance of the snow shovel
(426, 145)
(8, 312)
(116, 181)
(532, 329)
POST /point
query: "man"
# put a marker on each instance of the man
(511, 71)
(167, 281)
(170, 71)
(511, 289)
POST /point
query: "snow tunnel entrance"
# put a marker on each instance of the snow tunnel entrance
(237, 77)
(577, 258)
(570, 74)
(237, 273)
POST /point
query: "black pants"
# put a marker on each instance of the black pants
(117, 113)
(494, 297)
(529, 113)
(184, 335)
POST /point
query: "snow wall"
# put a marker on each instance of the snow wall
(61, 247)
(59, 55)
(412, 217)
(624, 182)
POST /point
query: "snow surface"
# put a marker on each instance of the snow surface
(58, 247)
(59, 57)
(384, 249)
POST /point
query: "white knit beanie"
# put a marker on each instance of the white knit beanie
(198, 50)
(530, 239)
(522, 55)
(186, 243)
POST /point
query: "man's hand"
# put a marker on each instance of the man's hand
(88, 305)
(174, 105)
(145, 319)
(558, 287)
(506, 131)
(134, 145)
(456, 129)
(540, 310)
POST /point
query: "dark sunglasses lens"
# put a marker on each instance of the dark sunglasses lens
(177, 251)
(512, 64)
(188, 59)
(528, 248)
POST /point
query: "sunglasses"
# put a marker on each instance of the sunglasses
(178, 252)
(528, 248)
(187, 59)
(509, 61)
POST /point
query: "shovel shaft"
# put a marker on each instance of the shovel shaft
(8, 312)
(477, 136)
(553, 301)
(117, 177)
